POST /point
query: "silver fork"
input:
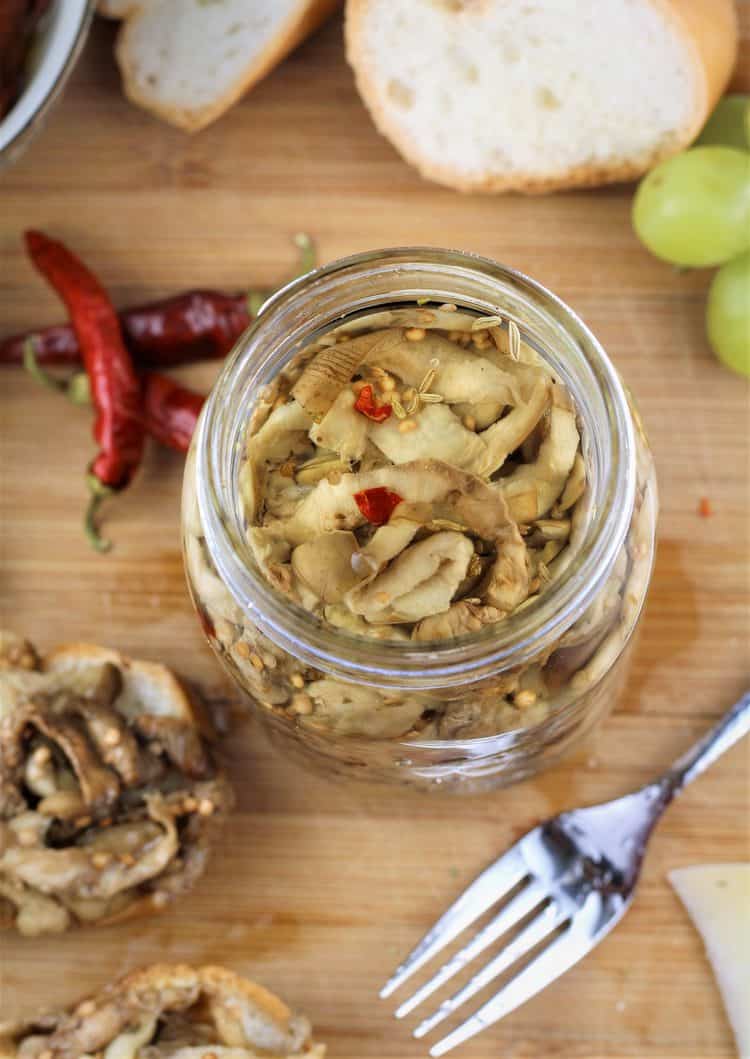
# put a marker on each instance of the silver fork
(574, 877)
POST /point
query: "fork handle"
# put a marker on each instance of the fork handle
(734, 724)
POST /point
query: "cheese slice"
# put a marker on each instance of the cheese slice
(717, 897)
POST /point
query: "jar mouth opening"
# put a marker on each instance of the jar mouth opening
(366, 283)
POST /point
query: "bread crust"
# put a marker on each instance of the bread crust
(301, 22)
(710, 31)
(710, 28)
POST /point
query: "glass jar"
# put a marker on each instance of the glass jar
(359, 706)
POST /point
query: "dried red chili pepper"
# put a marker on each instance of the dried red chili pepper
(196, 325)
(365, 404)
(170, 411)
(76, 388)
(115, 388)
(378, 504)
(55, 346)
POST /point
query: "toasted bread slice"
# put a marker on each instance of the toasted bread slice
(240, 1019)
(188, 61)
(107, 788)
(487, 95)
(20, 671)
(146, 686)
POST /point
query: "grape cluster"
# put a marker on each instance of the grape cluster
(694, 211)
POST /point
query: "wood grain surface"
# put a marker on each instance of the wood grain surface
(317, 889)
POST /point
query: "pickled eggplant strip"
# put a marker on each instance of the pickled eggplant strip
(458, 420)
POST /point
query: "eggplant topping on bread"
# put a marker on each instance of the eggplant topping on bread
(108, 793)
(168, 1011)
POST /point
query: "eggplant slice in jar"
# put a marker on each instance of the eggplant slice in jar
(108, 794)
(168, 1011)
(438, 418)
(417, 477)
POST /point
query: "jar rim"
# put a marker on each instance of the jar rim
(254, 362)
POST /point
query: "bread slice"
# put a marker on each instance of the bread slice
(108, 790)
(499, 95)
(189, 60)
(205, 1011)
(147, 687)
(20, 675)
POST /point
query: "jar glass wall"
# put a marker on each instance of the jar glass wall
(486, 708)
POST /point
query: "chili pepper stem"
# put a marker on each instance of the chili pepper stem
(307, 262)
(36, 371)
(79, 389)
(99, 492)
(256, 299)
(308, 257)
(170, 411)
(76, 388)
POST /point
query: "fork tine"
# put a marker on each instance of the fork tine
(556, 959)
(493, 883)
(526, 901)
(535, 932)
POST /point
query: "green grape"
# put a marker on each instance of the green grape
(729, 125)
(694, 209)
(728, 314)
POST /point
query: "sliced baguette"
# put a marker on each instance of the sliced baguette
(499, 95)
(189, 60)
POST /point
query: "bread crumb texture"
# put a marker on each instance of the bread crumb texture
(189, 60)
(496, 94)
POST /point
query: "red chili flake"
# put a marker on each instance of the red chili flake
(365, 404)
(704, 508)
(377, 505)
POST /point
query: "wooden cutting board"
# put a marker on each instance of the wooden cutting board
(317, 889)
